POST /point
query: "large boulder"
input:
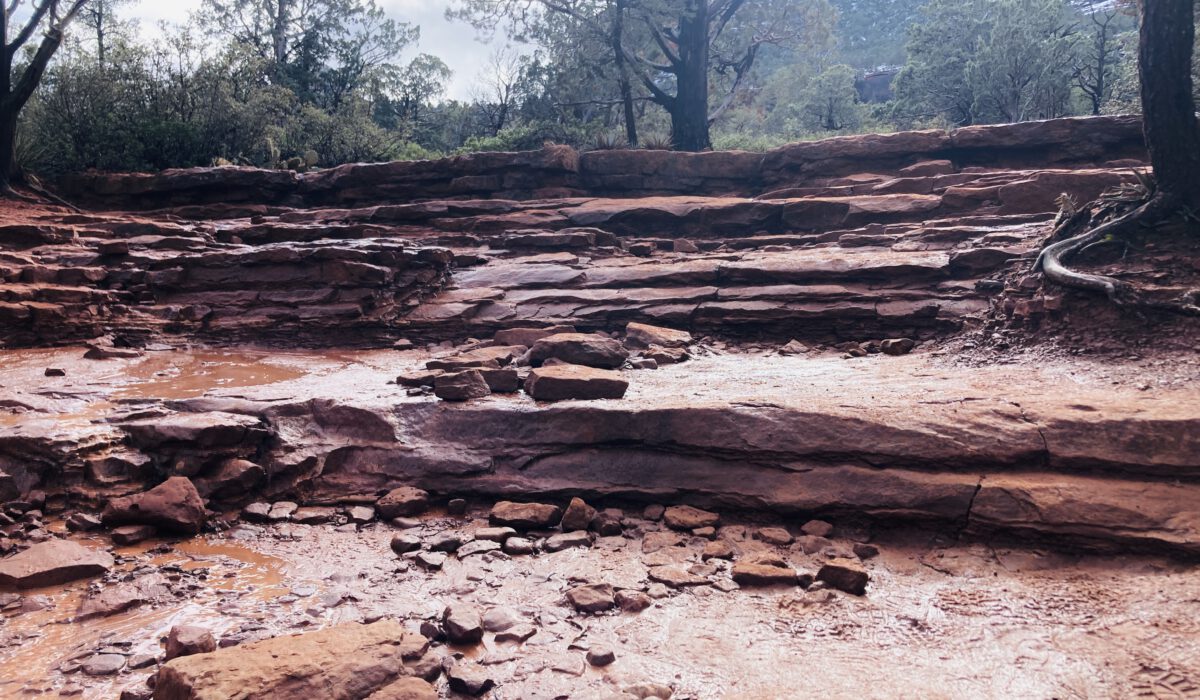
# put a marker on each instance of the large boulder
(572, 382)
(347, 662)
(579, 349)
(52, 563)
(174, 505)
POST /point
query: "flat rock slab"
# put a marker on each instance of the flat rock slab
(52, 563)
(347, 662)
(574, 382)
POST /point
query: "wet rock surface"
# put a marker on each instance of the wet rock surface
(336, 377)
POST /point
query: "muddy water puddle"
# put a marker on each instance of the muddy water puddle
(218, 577)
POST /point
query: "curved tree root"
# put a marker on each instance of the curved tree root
(7, 192)
(1052, 261)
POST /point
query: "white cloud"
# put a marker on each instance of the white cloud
(454, 42)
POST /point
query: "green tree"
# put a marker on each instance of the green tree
(18, 83)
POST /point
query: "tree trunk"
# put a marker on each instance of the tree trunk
(8, 145)
(1168, 108)
(689, 112)
(618, 41)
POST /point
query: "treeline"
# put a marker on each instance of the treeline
(315, 83)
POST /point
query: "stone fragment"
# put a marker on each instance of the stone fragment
(749, 574)
(525, 516)
(592, 598)
(405, 501)
(794, 347)
(811, 544)
(495, 534)
(577, 516)
(103, 664)
(314, 515)
(865, 551)
(281, 511)
(82, 522)
(403, 544)
(502, 381)
(518, 546)
(174, 505)
(633, 601)
(110, 601)
(579, 349)
(448, 541)
(52, 563)
(461, 386)
(897, 346)
(477, 547)
(232, 479)
(817, 528)
(257, 512)
(567, 540)
(676, 577)
(419, 378)
(519, 633)
(129, 535)
(346, 662)
(575, 382)
(845, 575)
(360, 515)
(774, 535)
(462, 624)
(601, 656)
(718, 549)
(55, 372)
(501, 619)
(689, 518)
(528, 336)
(469, 679)
(650, 690)
(431, 561)
(187, 640)
(654, 512)
(644, 335)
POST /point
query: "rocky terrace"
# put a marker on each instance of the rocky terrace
(759, 368)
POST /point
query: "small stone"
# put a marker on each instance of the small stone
(676, 577)
(495, 534)
(577, 516)
(55, 372)
(592, 598)
(642, 250)
(469, 679)
(82, 522)
(748, 574)
(566, 540)
(644, 335)
(689, 518)
(845, 575)
(187, 640)
(707, 533)
(795, 347)
(405, 501)
(653, 512)
(518, 546)
(601, 656)
(461, 386)
(463, 624)
(360, 515)
(525, 516)
(633, 601)
(501, 619)
(897, 346)
(419, 378)
(718, 549)
(817, 528)
(132, 534)
(680, 245)
(518, 633)
(256, 512)
(448, 542)
(314, 515)
(774, 535)
(103, 664)
(457, 506)
(606, 525)
(140, 661)
(650, 690)
(477, 547)
(811, 544)
(431, 561)
(403, 544)
(865, 551)
(281, 511)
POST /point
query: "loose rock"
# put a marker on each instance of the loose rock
(525, 516)
(845, 575)
(592, 598)
(689, 518)
(174, 505)
(186, 640)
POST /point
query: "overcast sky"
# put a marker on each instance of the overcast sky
(453, 42)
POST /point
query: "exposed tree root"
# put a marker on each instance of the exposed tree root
(1052, 261)
(7, 192)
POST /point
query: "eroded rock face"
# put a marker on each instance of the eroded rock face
(174, 505)
(53, 562)
(347, 662)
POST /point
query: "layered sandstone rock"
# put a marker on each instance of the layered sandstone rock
(347, 662)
